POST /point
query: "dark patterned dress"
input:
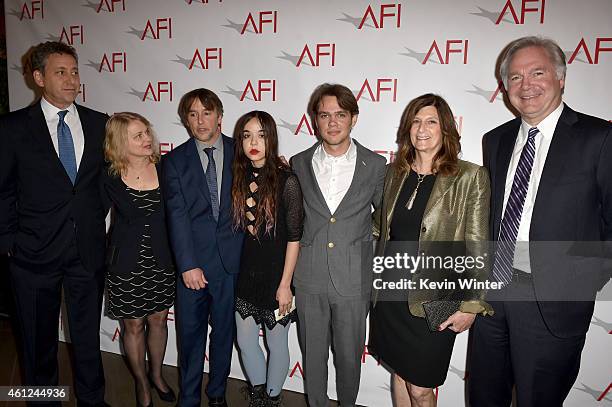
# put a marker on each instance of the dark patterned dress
(148, 288)
(263, 255)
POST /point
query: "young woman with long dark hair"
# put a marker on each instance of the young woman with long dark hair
(267, 205)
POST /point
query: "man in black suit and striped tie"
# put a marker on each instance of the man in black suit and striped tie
(551, 189)
(52, 222)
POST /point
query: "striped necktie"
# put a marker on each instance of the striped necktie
(506, 245)
(65, 146)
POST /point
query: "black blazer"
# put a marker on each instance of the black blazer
(573, 205)
(128, 225)
(41, 212)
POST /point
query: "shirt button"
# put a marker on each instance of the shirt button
(330, 245)
(333, 220)
(423, 229)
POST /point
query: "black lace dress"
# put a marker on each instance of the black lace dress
(263, 255)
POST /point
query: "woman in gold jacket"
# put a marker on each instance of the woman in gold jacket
(440, 203)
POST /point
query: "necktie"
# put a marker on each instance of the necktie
(65, 146)
(211, 179)
(506, 245)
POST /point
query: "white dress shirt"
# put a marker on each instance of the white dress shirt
(542, 145)
(72, 120)
(334, 174)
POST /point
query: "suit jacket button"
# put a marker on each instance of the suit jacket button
(330, 245)
(333, 220)
(423, 229)
(73, 191)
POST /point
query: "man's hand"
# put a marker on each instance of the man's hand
(194, 279)
(458, 322)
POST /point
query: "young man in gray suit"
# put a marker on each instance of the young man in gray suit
(341, 181)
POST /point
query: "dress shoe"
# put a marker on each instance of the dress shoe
(168, 396)
(217, 402)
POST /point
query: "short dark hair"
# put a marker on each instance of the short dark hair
(40, 53)
(208, 98)
(344, 95)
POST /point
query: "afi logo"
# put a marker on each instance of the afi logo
(82, 92)
(109, 5)
(389, 155)
(263, 17)
(538, 7)
(490, 95)
(71, 33)
(165, 148)
(261, 86)
(385, 11)
(297, 368)
(459, 121)
(116, 334)
(31, 9)
(366, 353)
(157, 89)
(599, 48)
(320, 50)
(111, 62)
(161, 24)
(451, 47)
(304, 122)
(210, 54)
(382, 85)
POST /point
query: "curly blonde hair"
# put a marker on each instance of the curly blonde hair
(115, 141)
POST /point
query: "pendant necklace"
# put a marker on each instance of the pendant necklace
(420, 178)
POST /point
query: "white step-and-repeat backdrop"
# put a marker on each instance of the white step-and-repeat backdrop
(142, 55)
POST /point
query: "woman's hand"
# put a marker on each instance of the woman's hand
(458, 322)
(284, 296)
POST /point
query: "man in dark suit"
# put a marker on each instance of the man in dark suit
(551, 210)
(198, 183)
(52, 222)
(341, 181)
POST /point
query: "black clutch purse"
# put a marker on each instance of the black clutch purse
(438, 311)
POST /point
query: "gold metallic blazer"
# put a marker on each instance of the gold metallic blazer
(457, 211)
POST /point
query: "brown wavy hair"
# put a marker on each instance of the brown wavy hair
(344, 96)
(446, 160)
(115, 141)
(267, 181)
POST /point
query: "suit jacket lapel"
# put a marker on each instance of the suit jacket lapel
(313, 178)
(89, 147)
(194, 165)
(226, 176)
(556, 159)
(503, 155)
(391, 195)
(441, 186)
(42, 138)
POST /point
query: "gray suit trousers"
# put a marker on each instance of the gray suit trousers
(324, 319)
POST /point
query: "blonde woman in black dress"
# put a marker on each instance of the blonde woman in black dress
(141, 278)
